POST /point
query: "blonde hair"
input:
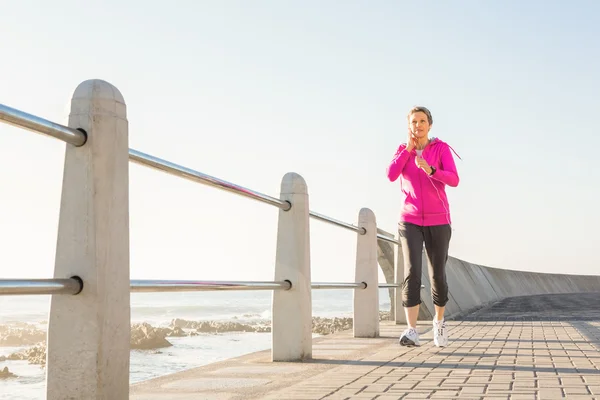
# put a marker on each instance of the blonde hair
(423, 110)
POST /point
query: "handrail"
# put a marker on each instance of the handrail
(387, 239)
(393, 285)
(171, 168)
(179, 286)
(40, 286)
(40, 125)
(333, 221)
(148, 160)
(338, 285)
(78, 138)
(75, 285)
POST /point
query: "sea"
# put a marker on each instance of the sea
(159, 309)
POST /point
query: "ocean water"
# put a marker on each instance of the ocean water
(159, 309)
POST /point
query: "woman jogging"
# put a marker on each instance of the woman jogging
(425, 166)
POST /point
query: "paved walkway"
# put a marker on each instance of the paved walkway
(521, 348)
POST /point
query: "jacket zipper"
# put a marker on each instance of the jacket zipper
(422, 200)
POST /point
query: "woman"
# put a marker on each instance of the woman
(425, 166)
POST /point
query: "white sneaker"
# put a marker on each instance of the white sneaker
(410, 338)
(440, 334)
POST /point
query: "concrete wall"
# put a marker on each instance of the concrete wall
(473, 286)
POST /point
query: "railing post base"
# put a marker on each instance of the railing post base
(292, 309)
(366, 301)
(89, 334)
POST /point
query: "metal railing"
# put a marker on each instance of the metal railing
(99, 179)
(177, 170)
(78, 138)
(40, 286)
(338, 285)
(388, 239)
(74, 286)
(39, 125)
(292, 267)
(180, 286)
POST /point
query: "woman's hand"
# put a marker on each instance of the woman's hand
(421, 163)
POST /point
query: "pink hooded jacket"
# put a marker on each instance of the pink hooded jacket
(425, 201)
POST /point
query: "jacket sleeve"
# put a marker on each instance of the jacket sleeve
(398, 162)
(447, 173)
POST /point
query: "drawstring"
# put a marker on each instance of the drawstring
(454, 151)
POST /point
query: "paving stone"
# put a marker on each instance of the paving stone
(467, 391)
(410, 396)
(550, 394)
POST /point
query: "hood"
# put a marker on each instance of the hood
(439, 142)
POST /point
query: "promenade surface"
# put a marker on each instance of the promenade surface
(538, 347)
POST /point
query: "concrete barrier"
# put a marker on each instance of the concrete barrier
(88, 334)
(291, 324)
(473, 286)
(366, 301)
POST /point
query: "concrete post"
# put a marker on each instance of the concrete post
(88, 334)
(292, 309)
(399, 309)
(366, 301)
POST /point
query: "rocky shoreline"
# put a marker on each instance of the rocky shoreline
(147, 337)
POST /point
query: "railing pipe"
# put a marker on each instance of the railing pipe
(181, 286)
(387, 239)
(336, 222)
(148, 160)
(338, 285)
(389, 285)
(78, 138)
(393, 285)
(40, 125)
(40, 286)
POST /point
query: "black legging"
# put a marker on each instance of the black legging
(437, 241)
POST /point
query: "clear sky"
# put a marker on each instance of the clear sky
(247, 91)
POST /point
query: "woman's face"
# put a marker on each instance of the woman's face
(419, 124)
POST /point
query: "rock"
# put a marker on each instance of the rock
(218, 326)
(327, 326)
(35, 355)
(144, 337)
(183, 323)
(385, 315)
(5, 373)
(177, 332)
(320, 325)
(20, 334)
(263, 328)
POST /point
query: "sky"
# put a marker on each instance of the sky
(248, 91)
